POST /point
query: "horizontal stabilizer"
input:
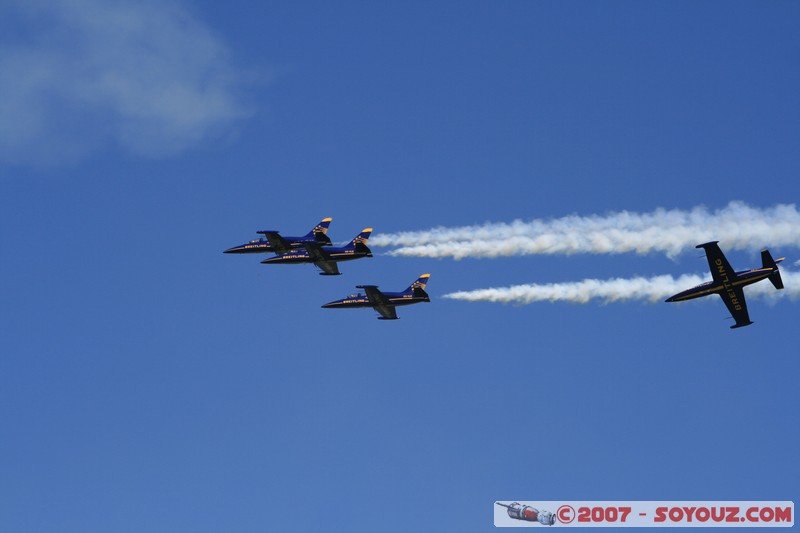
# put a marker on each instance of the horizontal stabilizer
(362, 248)
(323, 239)
(768, 262)
(743, 324)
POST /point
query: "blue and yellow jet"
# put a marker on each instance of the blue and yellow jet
(274, 242)
(325, 258)
(729, 284)
(384, 302)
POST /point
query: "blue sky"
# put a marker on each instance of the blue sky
(149, 382)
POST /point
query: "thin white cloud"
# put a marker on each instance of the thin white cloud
(83, 74)
(736, 226)
(654, 289)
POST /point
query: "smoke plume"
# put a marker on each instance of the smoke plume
(736, 226)
(652, 290)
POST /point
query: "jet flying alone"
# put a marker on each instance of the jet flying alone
(384, 302)
(729, 284)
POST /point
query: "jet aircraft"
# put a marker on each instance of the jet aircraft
(274, 242)
(729, 284)
(384, 302)
(325, 258)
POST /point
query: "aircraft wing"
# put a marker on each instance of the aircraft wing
(278, 243)
(738, 308)
(717, 263)
(329, 267)
(380, 302)
(320, 258)
(315, 251)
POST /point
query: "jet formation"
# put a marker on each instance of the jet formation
(313, 247)
(325, 258)
(729, 284)
(316, 248)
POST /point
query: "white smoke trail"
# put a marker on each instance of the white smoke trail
(736, 226)
(654, 289)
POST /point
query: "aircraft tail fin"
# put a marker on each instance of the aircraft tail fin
(360, 241)
(768, 262)
(319, 232)
(418, 287)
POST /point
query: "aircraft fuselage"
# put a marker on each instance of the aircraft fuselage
(725, 285)
(301, 255)
(261, 246)
(361, 300)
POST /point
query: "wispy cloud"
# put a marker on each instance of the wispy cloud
(652, 290)
(82, 74)
(736, 226)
